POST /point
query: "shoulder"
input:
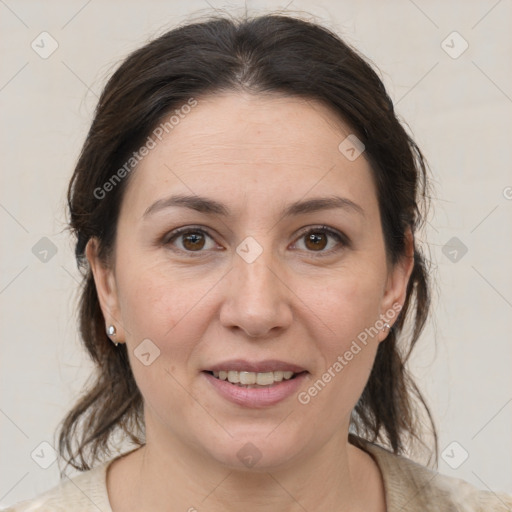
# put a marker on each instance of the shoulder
(413, 487)
(85, 492)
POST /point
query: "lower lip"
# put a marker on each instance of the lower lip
(256, 397)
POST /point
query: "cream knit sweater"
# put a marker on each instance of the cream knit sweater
(409, 487)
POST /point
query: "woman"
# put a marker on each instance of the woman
(245, 207)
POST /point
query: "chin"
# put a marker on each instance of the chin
(256, 451)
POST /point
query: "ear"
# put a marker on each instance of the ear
(396, 285)
(106, 289)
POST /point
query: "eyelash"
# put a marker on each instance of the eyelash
(339, 237)
(342, 239)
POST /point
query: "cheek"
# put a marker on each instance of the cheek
(170, 307)
(352, 318)
(346, 304)
(346, 312)
(172, 313)
(153, 297)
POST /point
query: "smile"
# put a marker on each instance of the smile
(268, 388)
(253, 379)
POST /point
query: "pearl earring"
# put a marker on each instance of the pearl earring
(111, 331)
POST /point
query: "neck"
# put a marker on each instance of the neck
(336, 476)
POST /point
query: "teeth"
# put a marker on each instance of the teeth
(264, 379)
(233, 377)
(253, 378)
(248, 378)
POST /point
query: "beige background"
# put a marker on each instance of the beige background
(459, 110)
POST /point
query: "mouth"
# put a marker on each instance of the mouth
(255, 384)
(254, 380)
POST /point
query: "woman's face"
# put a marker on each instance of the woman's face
(279, 266)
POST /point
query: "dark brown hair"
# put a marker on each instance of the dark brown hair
(270, 54)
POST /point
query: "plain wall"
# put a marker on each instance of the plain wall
(458, 109)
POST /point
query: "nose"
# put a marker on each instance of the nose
(257, 299)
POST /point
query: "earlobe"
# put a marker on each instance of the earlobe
(106, 289)
(397, 282)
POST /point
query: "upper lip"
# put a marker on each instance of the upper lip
(242, 365)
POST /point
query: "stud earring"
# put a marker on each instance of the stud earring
(387, 326)
(111, 331)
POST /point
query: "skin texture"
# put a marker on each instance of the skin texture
(297, 302)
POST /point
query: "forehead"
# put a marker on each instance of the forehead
(249, 127)
(256, 146)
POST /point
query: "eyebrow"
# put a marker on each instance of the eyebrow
(212, 207)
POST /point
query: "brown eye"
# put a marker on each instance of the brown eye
(322, 240)
(190, 240)
(193, 241)
(316, 241)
